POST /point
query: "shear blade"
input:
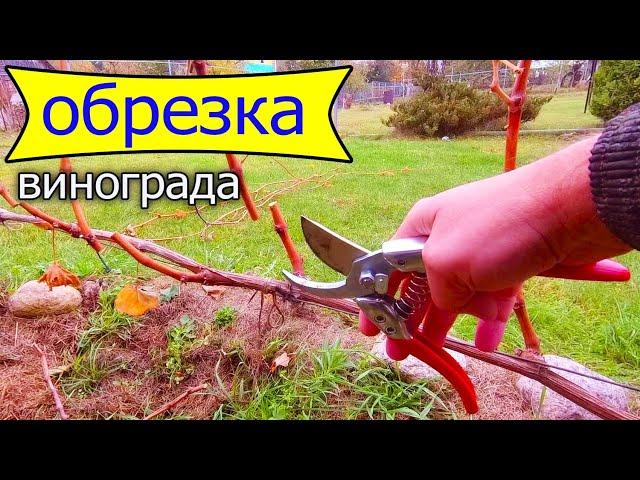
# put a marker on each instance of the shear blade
(328, 290)
(334, 250)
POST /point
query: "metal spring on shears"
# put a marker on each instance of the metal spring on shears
(414, 297)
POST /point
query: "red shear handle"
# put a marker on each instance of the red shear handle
(602, 271)
(437, 323)
(439, 360)
(435, 357)
(427, 346)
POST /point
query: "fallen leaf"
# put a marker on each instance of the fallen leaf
(130, 230)
(281, 360)
(135, 302)
(60, 370)
(56, 276)
(180, 214)
(214, 291)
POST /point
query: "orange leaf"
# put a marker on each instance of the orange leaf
(135, 302)
(56, 276)
(214, 291)
(180, 214)
(281, 360)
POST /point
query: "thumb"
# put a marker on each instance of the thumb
(418, 221)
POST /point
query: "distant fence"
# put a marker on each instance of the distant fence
(375, 92)
(552, 77)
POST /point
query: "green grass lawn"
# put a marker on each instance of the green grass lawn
(364, 120)
(597, 324)
(565, 110)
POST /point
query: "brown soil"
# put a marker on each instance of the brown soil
(142, 385)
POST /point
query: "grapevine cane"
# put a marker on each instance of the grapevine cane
(282, 230)
(83, 224)
(199, 67)
(515, 103)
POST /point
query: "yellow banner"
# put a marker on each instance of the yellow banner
(73, 114)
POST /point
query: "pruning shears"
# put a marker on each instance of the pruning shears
(412, 323)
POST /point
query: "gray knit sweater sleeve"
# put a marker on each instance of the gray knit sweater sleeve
(614, 170)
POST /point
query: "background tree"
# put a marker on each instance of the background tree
(380, 71)
(304, 64)
(357, 81)
(416, 68)
(616, 87)
(466, 66)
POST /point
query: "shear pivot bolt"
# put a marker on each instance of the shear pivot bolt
(379, 318)
(390, 330)
(381, 283)
(367, 280)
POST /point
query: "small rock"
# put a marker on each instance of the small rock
(415, 369)
(34, 299)
(556, 407)
(91, 294)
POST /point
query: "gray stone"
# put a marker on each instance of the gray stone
(411, 367)
(556, 407)
(90, 292)
(35, 299)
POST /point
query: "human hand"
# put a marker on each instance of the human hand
(487, 237)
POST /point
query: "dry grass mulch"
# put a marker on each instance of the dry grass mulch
(140, 384)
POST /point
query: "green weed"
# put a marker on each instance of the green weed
(273, 347)
(179, 339)
(332, 382)
(226, 316)
(106, 321)
(384, 394)
(86, 371)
